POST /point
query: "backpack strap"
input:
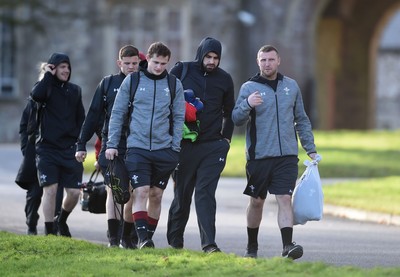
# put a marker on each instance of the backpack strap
(185, 67)
(135, 77)
(172, 92)
(33, 117)
(36, 114)
(106, 87)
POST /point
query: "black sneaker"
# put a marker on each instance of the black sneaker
(63, 229)
(113, 242)
(148, 243)
(292, 251)
(126, 243)
(32, 231)
(212, 248)
(176, 246)
(251, 251)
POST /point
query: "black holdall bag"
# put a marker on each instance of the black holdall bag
(117, 178)
(94, 195)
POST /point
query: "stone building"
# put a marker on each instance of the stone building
(329, 46)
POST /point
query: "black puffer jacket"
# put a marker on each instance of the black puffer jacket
(215, 90)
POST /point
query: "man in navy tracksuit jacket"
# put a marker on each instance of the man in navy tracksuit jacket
(201, 162)
(60, 124)
(97, 117)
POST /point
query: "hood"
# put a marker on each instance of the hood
(57, 58)
(208, 45)
(143, 67)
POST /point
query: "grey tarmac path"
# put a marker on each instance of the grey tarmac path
(340, 238)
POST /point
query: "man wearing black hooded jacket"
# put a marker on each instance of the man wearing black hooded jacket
(99, 114)
(202, 161)
(60, 124)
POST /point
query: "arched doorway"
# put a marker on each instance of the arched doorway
(347, 42)
(387, 83)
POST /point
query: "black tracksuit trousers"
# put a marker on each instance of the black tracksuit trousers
(33, 200)
(199, 169)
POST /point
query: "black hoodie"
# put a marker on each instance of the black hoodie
(63, 114)
(215, 89)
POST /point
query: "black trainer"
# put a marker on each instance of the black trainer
(212, 248)
(292, 251)
(126, 243)
(63, 229)
(251, 251)
(113, 242)
(148, 243)
(32, 231)
(176, 246)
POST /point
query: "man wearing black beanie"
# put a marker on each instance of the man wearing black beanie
(60, 122)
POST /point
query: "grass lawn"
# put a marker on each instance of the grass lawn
(23, 255)
(375, 195)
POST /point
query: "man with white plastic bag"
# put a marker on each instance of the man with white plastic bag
(308, 197)
(271, 106)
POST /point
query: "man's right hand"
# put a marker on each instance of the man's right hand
(80, 156)
(111, 153)
(255, 99)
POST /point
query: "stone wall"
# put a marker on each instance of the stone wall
(87, 31)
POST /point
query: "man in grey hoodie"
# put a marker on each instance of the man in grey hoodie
(155, 133)
(271, 104)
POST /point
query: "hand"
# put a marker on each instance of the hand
(96, 165)
(80, 156)
(255, 99)
(111, 153)
(315, 157)
(50, 68)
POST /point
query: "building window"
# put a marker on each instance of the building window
(143, 25)
(7, 55)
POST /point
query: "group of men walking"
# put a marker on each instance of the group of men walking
(142, 115)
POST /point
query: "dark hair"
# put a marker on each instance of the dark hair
(268, 48)
(159, 49)
(128, 51)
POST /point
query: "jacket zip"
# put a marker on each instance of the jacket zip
(152, 115)
(205, 88)
(277, 123)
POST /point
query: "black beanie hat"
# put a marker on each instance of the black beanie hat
(57, 58)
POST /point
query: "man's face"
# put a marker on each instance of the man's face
(63, 72)
(156, 64)
(210, 61)
(268, 63)
(128, 64)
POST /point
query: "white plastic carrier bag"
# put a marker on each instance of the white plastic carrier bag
(308, 197)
